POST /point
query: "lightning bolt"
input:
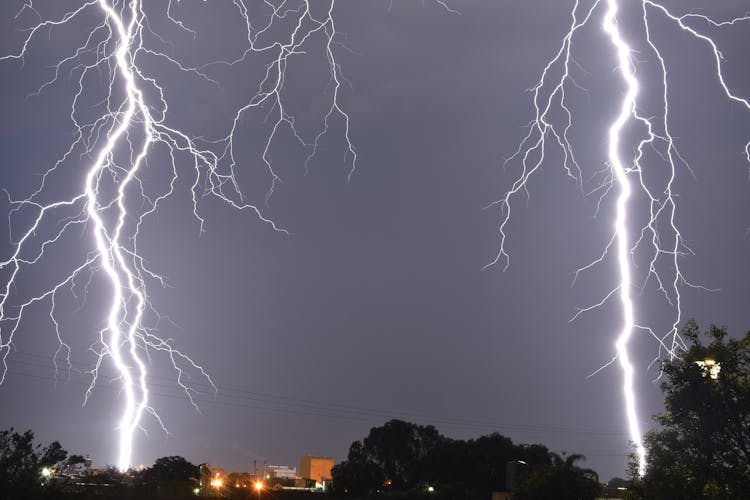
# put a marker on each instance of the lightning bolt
(659, 236)
(130, 133)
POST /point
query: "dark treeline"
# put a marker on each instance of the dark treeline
(406, 460)
(399, 460)
(30, 471)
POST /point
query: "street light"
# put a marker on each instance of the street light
(513, 473)
(258, 487)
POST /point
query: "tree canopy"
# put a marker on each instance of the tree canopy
(170, 476)
(22, 462)
(401, 456)
(171, 469)
(702, 449)
(562, 480)
(391, 455)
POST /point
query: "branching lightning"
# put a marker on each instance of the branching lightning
(133, 134)
(659, 236)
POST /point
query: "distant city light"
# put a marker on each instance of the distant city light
(217, 483)
(710, 367)
(258, 485)
(46, 472)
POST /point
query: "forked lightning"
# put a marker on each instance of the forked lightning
(659, 235)
(110, 153)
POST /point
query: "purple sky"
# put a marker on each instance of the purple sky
(376, 305)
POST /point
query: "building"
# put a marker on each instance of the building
(280, 472)
(316, 469)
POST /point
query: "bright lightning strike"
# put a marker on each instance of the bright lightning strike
(130, 134)
(621, 230)
(659, 236)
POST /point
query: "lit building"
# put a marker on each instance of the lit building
(280, 472)
(317, 469)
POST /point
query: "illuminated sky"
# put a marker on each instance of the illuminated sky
(376, 305)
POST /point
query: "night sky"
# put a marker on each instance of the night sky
(375, 306)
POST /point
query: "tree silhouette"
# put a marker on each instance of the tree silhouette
(22, 462)
(171, 474)
(563, 479)
(402, 456)
(703, 447)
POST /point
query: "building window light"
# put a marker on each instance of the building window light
(710, 368)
